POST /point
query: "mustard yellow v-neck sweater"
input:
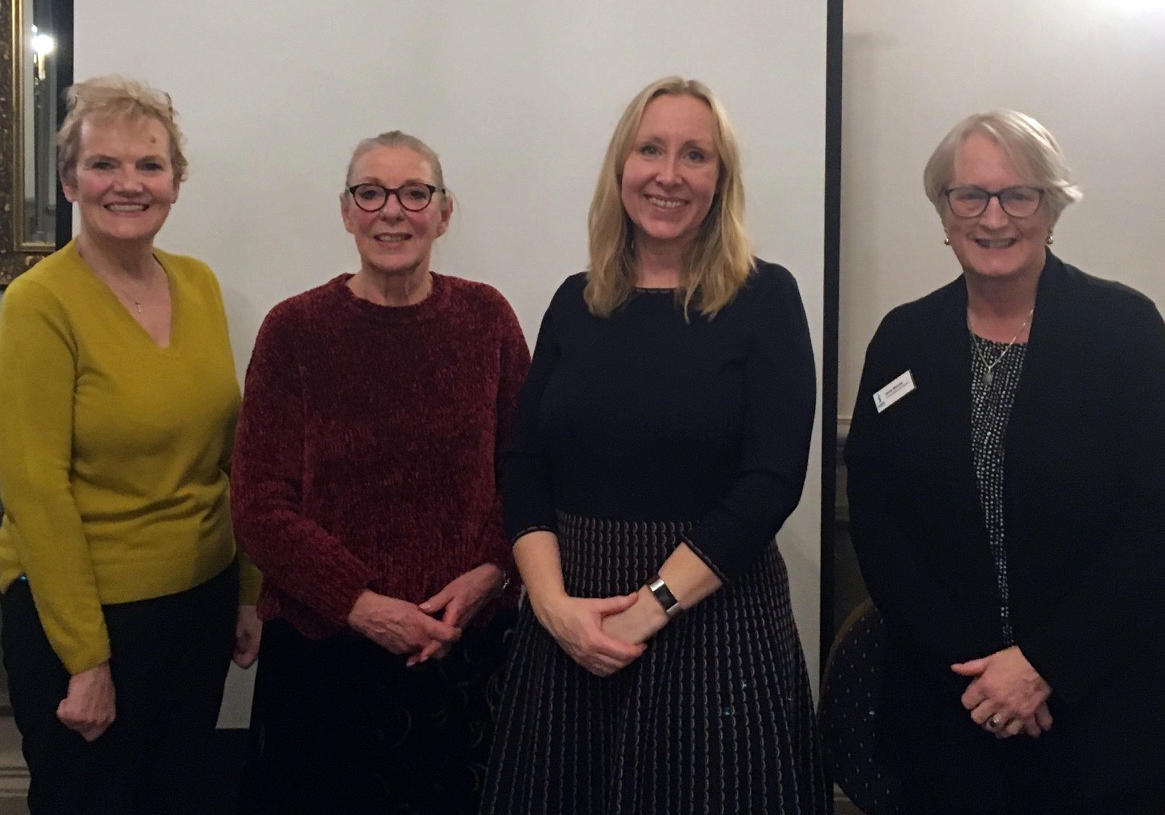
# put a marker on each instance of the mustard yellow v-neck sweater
(114, 452)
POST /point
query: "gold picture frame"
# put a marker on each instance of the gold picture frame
(17, 252)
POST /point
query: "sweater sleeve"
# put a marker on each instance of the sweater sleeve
(527, 486)
(38, 356)
(780, 399)
(293, 552)
(515, 364)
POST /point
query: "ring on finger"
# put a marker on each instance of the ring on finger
(993, 723)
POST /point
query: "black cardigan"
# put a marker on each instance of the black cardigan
(1084, 495)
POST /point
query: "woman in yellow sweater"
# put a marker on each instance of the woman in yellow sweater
(122, 599)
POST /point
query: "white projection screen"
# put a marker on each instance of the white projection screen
(518, 98)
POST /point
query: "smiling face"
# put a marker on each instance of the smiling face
(394, 241)
(669, 177)
(123, 183)
(995, 244)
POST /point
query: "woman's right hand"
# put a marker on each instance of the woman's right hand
(399, 626)
(90, 705)
(576, 623)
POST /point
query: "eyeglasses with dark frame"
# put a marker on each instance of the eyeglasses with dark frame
(414, 196)
(971, 201)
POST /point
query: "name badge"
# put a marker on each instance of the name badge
(899, 386)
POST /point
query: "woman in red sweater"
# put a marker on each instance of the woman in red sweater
(364, 486)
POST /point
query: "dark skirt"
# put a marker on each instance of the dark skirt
(715, 717)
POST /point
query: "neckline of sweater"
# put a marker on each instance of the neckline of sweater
(431, 307)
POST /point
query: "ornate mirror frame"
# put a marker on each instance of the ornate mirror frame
(17, 251)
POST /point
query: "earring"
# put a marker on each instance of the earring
(1050, 240)
(946, 239)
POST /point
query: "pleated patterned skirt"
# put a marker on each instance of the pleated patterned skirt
(715, 717)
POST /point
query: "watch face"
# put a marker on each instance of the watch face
(660, 591)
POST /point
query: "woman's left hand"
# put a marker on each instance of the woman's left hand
(465, 595)
(1005, 693)
(639, 623)
(248, 632)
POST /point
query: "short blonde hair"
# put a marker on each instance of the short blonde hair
(1027, 143)
(115, 97)
(720, 260)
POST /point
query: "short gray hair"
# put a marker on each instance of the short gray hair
(396, 138)
(1029, 145)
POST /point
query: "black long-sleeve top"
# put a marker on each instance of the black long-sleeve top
(644, 415)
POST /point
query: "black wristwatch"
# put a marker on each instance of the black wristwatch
(660, 591)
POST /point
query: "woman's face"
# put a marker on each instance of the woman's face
(670, 175)
(393, 240)
(995, 244)
(123, 183)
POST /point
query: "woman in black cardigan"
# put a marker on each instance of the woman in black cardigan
(1006, 497)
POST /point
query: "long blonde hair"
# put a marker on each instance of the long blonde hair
(720, 259)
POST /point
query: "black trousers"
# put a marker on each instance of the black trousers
(169, 661)
(341, 726)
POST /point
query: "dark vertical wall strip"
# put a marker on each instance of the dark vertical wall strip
(833, 43)
(63, 18)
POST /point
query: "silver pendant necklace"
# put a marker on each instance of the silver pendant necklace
(989, 365)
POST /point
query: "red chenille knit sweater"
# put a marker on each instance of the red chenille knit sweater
(368, 446)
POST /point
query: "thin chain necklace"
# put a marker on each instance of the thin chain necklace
(137, 304)
(121, 291)
(989, 365)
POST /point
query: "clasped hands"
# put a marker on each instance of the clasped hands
(1006, 696)
(602, 634)
(425, 630)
